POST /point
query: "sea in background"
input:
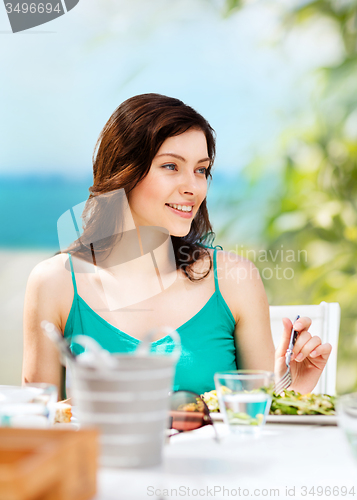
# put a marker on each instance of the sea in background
(31, 206)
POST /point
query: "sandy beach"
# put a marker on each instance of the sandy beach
(15, 267)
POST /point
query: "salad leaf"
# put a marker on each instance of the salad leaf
(287, 403)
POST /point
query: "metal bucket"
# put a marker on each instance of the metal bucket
(129, 403)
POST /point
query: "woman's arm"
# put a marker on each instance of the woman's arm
(43, 302)
(244, 293)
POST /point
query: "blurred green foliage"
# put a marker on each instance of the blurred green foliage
(312, 219)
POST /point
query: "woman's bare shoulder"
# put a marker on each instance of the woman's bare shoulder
(235, 265)
(53, 266)
(229, 264)
(239, 281)
(51, 274)
(49, 292)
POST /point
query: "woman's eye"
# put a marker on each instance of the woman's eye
(172, 166)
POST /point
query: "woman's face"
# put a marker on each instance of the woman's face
(173, 190)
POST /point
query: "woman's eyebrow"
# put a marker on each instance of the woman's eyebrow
(181, 157)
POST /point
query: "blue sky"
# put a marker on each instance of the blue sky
(61, 81)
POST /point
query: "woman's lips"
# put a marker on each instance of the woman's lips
(185, 215)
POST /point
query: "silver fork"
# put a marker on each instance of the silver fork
(286, 379)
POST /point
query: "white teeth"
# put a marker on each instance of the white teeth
(183, 208)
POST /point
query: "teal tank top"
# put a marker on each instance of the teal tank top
(207, 339)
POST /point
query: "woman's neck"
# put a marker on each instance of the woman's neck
(143, 260)
(132, 245)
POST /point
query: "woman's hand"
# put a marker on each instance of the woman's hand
(308, 359)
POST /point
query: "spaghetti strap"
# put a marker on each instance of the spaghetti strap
(215, 268)
(73, 275)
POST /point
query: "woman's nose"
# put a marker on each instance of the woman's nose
(188, 183)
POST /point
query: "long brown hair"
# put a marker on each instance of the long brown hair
(122, 157)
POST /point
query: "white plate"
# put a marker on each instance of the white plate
(290, 419)
(69, 425)
(303, 419)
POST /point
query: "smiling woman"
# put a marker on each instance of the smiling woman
(158, 152)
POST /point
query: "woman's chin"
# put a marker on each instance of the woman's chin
(179, 233)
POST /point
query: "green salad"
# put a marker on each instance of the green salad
(294, 403)
(287, 403)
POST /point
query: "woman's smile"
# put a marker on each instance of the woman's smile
(181, 210)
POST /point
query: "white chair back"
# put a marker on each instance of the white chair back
(325, 323)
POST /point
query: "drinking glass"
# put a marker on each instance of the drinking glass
(244, 399)
(31, 405)
(347, 418)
